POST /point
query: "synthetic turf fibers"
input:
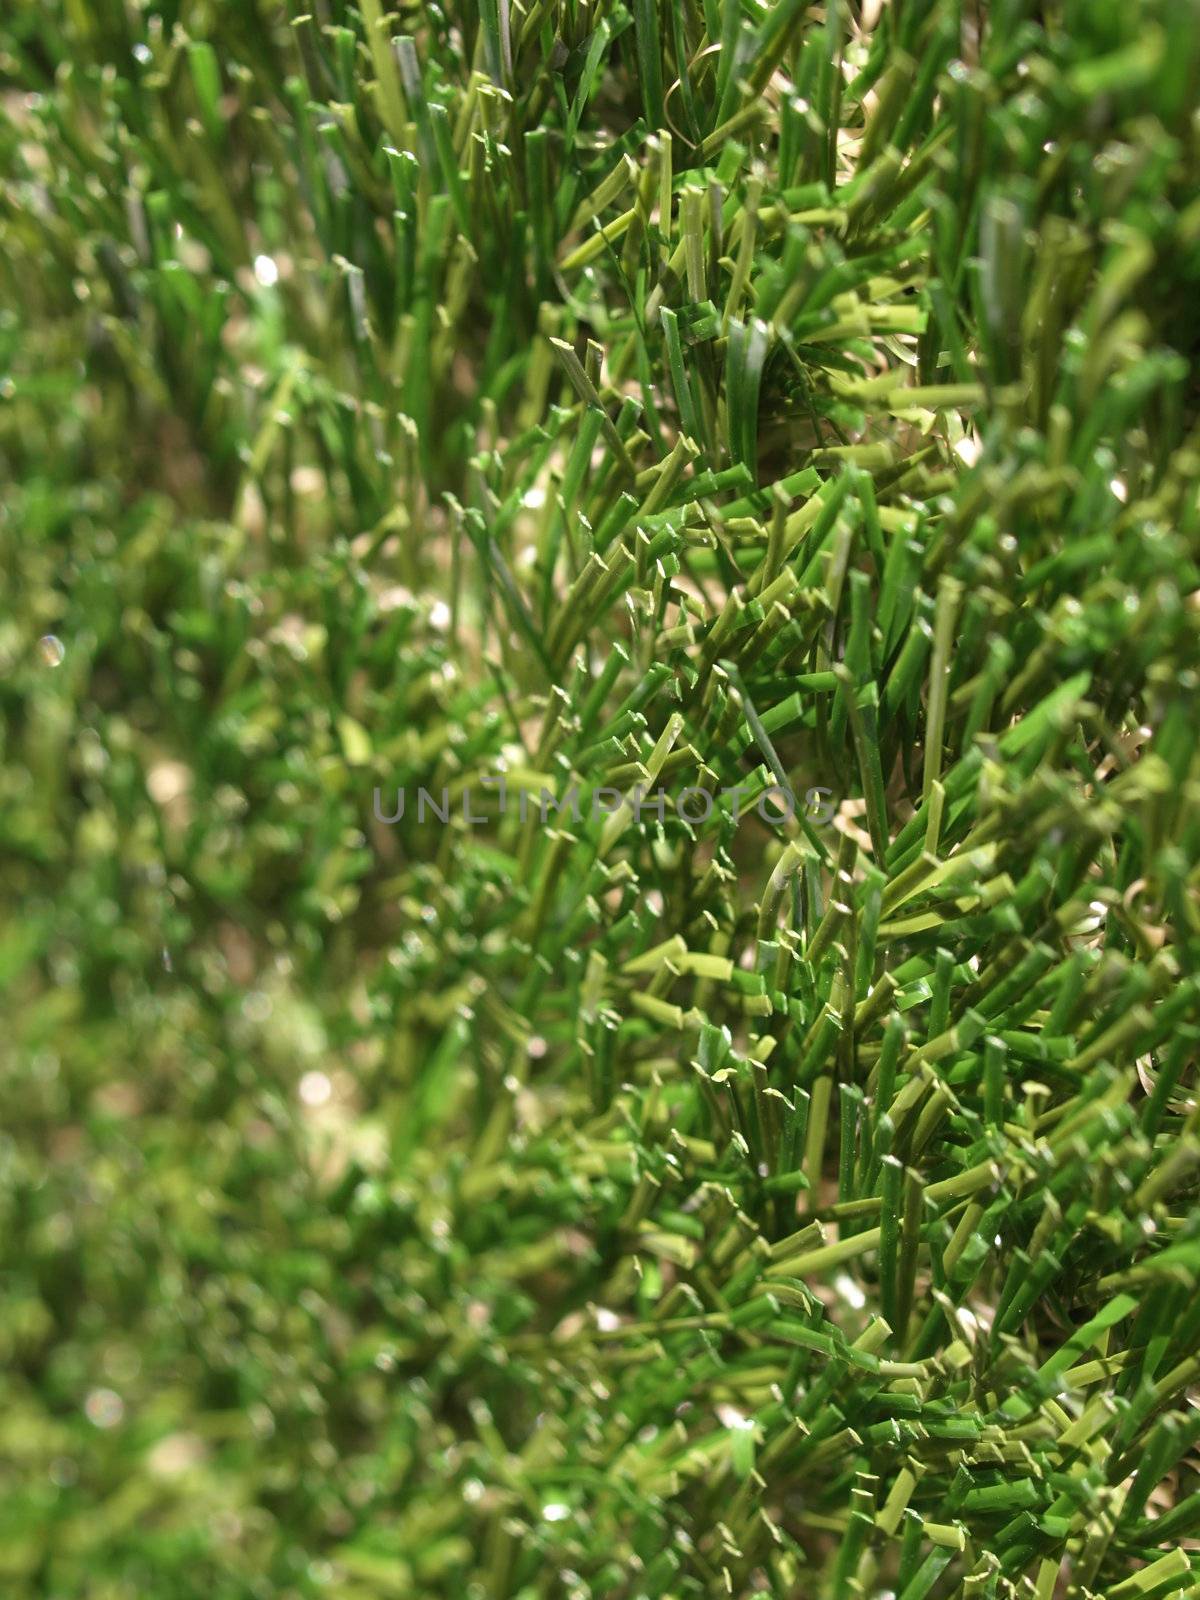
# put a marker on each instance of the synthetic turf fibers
(582, 405)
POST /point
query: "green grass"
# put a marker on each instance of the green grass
(700, 394)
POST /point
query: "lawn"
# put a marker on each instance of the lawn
(599, 800)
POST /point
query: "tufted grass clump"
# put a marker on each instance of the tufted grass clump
(555, 1194)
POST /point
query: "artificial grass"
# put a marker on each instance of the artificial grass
(706, 396)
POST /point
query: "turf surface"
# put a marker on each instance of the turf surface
(550, 1197)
